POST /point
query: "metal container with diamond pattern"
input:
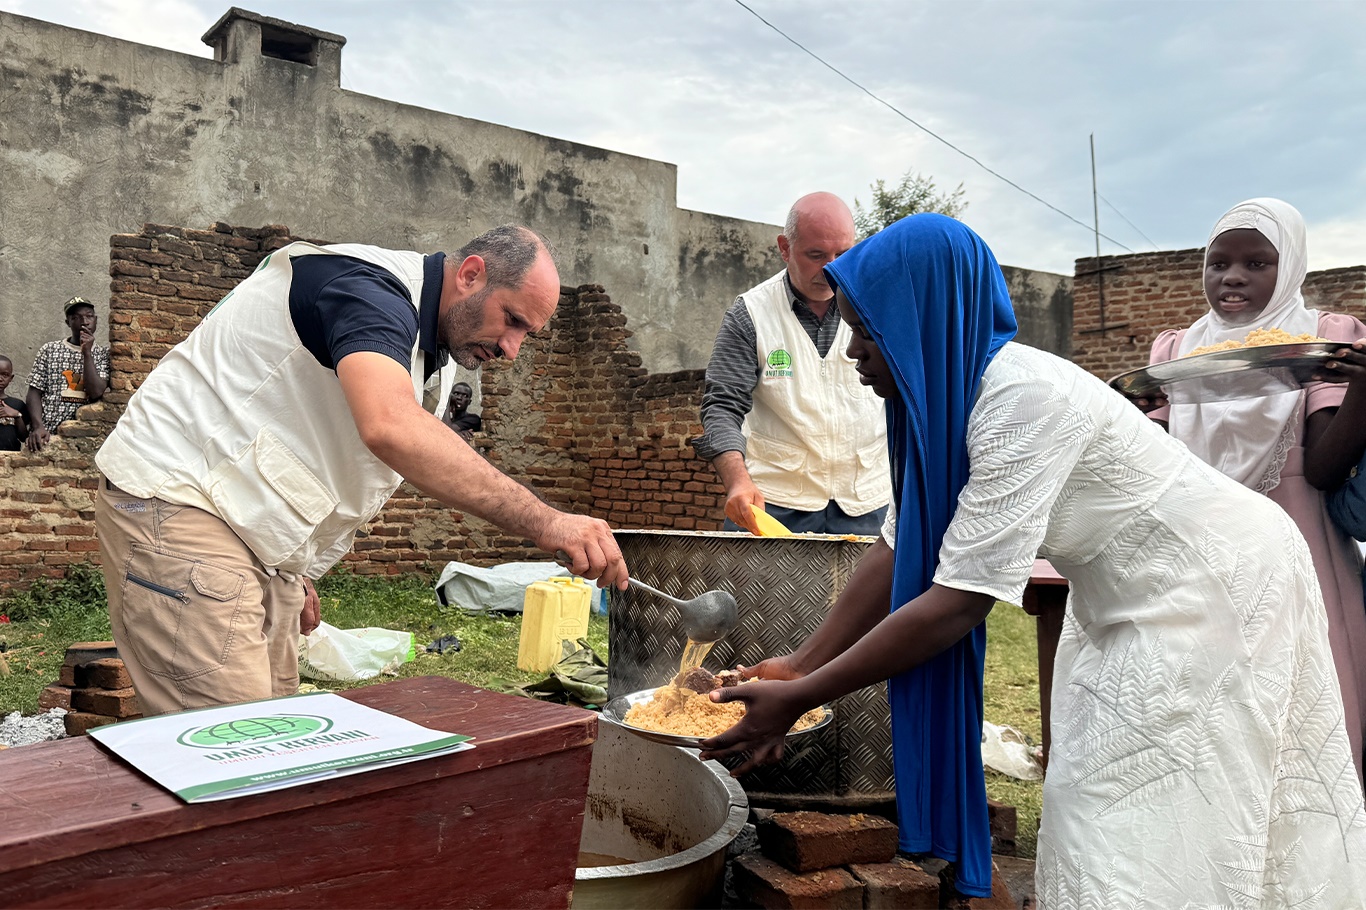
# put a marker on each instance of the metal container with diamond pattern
(784, 587)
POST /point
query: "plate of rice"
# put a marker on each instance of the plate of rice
(1266, 362)
(679, 715)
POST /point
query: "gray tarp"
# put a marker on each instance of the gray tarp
(500, 588)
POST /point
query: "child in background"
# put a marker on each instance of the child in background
(1295, 447)
(14, 422)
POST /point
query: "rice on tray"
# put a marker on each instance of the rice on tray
(1255, 339)
(683, 712)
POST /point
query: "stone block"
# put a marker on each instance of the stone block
(83, 652)
(55, 696)
(1018, 875)
(106, 673)
(763, 883)
(895, 885)
(805, 841)
(81, 722)
(1000, 898)
(1003, 822)
(116, 703)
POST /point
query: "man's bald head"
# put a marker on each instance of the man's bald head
(819, 228)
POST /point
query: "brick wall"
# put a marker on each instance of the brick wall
(576, 417)
(1147, 293)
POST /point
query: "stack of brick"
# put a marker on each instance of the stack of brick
(1003, 820)
(820, 860)
(93, 687)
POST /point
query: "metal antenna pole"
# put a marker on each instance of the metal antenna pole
(1099, 270)
(1095, 209)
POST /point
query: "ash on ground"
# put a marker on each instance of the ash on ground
(18, 730)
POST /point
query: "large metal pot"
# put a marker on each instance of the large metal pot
(671, 816)
(784, 587)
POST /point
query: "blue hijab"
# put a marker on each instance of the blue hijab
(931, 295)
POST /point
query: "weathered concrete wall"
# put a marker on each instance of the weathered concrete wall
(1043, 308)
(718, 259)
(99, 136)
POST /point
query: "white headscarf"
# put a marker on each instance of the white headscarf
(1247, 439)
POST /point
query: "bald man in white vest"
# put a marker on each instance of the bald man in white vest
(258, 446)
(786, 422)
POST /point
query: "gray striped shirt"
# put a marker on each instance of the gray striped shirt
(733, 372)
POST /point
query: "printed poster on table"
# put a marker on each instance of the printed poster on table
(237, 750)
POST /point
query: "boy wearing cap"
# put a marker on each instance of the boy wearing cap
(66, 374)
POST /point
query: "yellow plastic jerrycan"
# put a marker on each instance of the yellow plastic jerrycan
(554, 610)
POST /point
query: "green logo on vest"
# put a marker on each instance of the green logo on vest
(779, 363)
(254, 731)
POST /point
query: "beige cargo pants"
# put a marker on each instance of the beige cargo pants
(197, 619)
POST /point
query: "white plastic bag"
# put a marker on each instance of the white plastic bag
(350, 654)
(1005, 749)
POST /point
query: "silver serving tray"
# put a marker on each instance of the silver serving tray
(615, 711)
(1227, 375)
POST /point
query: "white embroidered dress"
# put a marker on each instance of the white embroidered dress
(1199, 757)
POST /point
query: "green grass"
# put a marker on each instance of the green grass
(488, 644)
(47, 618)
(1011, 698)
(44, 620)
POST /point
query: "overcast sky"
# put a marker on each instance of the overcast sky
(1194, 105)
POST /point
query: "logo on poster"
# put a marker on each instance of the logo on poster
(254, 731)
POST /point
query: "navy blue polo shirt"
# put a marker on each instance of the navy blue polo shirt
(340, 305)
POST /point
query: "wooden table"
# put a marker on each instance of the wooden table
(495, 826)
(1045, 598)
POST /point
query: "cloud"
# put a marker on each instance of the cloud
(1337, 243)
(172, 24)
(1193, 106)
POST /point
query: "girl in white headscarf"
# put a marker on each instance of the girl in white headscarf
(1294, 446)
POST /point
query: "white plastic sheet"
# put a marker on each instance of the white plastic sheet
(351, 654)
(1005, 749)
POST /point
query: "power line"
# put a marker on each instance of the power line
(1127, 221)
(921, 126)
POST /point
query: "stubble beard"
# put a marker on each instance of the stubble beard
(459, 326)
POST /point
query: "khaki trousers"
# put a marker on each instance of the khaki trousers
(198, 620)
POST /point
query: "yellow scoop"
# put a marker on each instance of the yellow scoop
(766, 525)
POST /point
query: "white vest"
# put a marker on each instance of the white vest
(241, 421)
(815, 434)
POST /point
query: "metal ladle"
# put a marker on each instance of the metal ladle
(705, 618)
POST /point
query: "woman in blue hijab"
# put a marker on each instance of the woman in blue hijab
(1194, 663)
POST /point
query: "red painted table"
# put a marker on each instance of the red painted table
(1045, 598)
(495, 826)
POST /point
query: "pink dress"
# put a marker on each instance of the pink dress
(1336, 557)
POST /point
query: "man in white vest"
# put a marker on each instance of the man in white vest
(786, 422)
(258, 446)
